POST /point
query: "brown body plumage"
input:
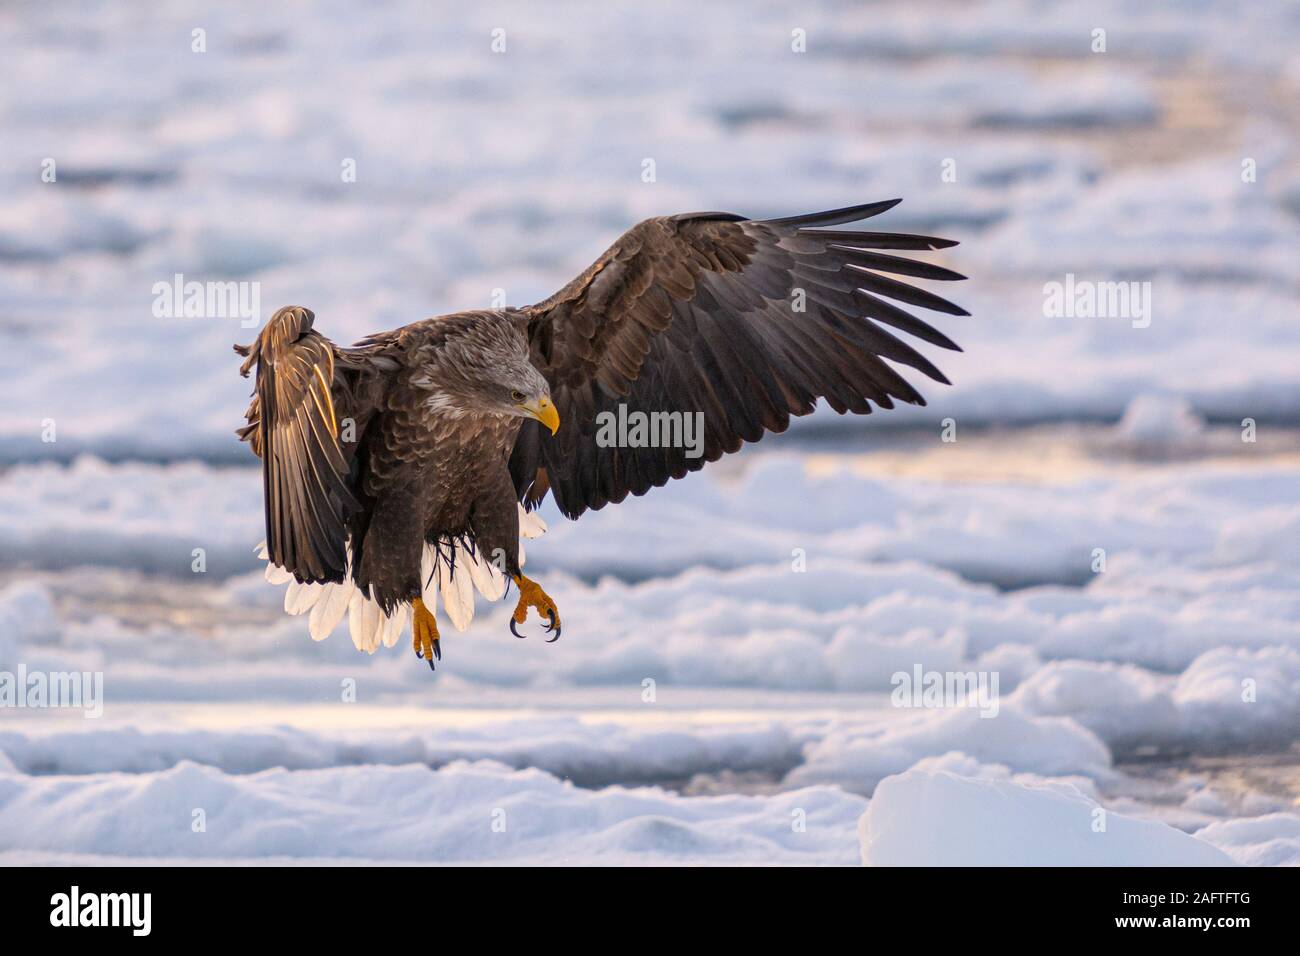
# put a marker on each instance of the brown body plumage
(433, 432)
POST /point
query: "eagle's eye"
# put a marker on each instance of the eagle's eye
(516, 396)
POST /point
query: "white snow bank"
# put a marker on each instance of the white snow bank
(1159, 420)
(439, 223)
(986, 27)
(1154, 222)
(464, 812)
(1226, 698)
(1235, 697)
(130, 515)
(1198, 603)
(1269, 840)
(927, 818)
(1124, 705)
(587, 752)
(858, 758)
(1011, 533)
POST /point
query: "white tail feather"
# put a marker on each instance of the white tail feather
(368, 625)
(531, 524)
(329, 609)
(356, 609)
(299, 598)
(357, 622)
(487, 578)
(457, 589)
(394, 624)
(277, 575)
(365, 620)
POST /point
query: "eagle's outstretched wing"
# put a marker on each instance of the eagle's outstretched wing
(748, 322)
(293, 425)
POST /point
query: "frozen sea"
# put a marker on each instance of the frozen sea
(1111, 530)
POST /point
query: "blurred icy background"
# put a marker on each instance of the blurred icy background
(771, 724)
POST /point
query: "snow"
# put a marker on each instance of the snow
(1191, 578)
(1226, 697)
(940, 818)
(701, 671)
(1242, 698)
(464, 812)
(1008, 533)
(1159, 420)
(249, 138)
(1272, 839)
(1114, 536)
(859, 758)
(592, 752)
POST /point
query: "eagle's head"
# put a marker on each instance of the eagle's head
(482, 368)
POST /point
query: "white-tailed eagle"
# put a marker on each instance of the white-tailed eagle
(407, 465)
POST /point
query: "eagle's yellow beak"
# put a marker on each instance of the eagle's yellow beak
(544, 412)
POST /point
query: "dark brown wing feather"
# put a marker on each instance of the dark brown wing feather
(696, 313)
(294, 427)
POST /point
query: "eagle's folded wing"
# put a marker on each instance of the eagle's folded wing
(293, 424)
(748, 322)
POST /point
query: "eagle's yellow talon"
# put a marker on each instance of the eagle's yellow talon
(424, 633)
(532, 595)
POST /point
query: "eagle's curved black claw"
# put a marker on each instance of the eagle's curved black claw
(532, 595)
(437, 651)
(431, 667)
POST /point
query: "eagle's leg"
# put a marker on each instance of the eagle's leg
(424, 633)
(532, 595)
